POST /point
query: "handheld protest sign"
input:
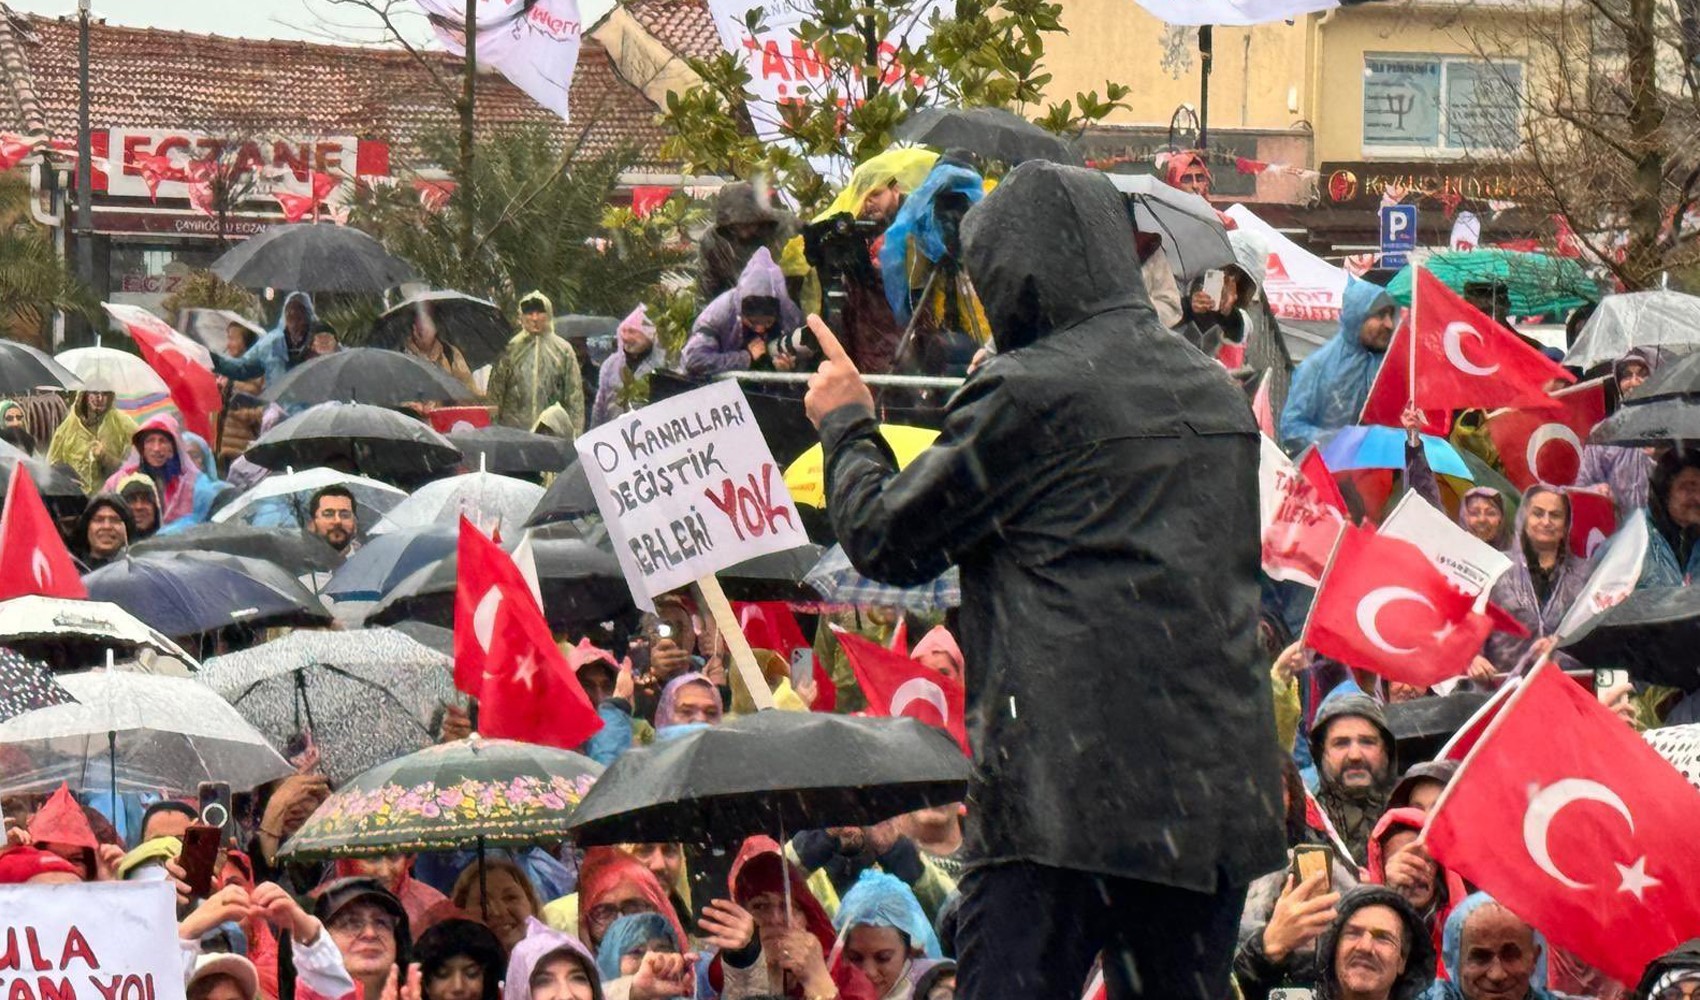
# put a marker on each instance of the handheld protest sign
(687, 486)
(90, 941)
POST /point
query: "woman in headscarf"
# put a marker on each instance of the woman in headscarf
(504, 901)
(460, 959)
(424, 341)
(629, 939)
(613, 884)
(731, 333)
(637, 357)
(207, 484)
(550, 965)
(1623, 472)
(886, 935)
(1544, 580)
(687, 699)
(1482, 514)
(159, 454)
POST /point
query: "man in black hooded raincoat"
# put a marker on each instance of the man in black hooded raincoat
(1096, 482)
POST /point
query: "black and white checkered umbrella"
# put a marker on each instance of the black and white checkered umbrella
(26, 685)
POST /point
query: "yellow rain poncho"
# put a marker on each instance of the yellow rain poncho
(534, 373)
(907, 167)
(74, 443)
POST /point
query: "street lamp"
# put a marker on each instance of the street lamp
(85, 154)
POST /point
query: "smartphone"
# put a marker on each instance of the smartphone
(1291, 993)
(802, 665)
(1309, 860)
(216, 810)
(200, 854)
(1604, 680)
(663, 630)
(1213, 280)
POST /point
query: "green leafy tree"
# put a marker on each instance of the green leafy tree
(206, 290)
(981, 54)
(34, 281)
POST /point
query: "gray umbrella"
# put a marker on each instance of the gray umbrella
(1658, 421)
(366, 695)
(1662, 319)
(1194, 238)
(993, 133)
(24, 369)
(478, 328)
(371, 439)
(313, 257)
(366, 375)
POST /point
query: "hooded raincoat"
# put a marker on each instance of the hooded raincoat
(1515, 593)
(1501, 541)
(1419, 966)
(274, 354)
(1673, 557)
(1449, 887)
(1627, 471)
(137, 482)
(722, 253)
(1330, 387)
(535, 372)
(621, 370)
(719, 336)
(80, 534)
(629, 934)
(541, 943)
(1452, 955)
(605, 869)
(1352, 812)
(174, 482)
(881, 900)
(74, 440)
(1095, 463)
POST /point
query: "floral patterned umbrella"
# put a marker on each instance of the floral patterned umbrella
(470, 793)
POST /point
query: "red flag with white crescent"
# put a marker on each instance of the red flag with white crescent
(1543, 443)
(33, 558)
(184, 364)
(898, 685)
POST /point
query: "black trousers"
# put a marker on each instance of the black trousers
(1030, 932)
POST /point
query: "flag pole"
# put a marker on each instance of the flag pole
(1411, 345)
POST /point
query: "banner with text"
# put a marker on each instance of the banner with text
(534, 45)
(92, 941)
(688, 487)
(1470, 563)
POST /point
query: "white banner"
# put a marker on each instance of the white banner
(687, 487)
(1238, 12)
(536, 49)
(1299, 285)
(1470, 563)
(90, 941)
(784, 70)
(285, 164)
(1614, 578)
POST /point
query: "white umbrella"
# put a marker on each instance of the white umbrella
(1662, 319)
(488, 500)
(281, 500)
(1194, 238)
(147, 727)
(115, 371)
(1238, 12)
(79, 634)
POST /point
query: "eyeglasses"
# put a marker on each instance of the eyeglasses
(603, 914)
(358, 923)
(335, 515)
(1688, 989)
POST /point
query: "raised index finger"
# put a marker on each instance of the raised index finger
(829, 344)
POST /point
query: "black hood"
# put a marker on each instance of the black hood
(1658, 496)
(80, 536)
(737, 205)
(1362, 706)
(1048, 249)
(1419, 967)
(1683, 958)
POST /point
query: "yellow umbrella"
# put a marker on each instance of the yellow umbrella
(806, 478)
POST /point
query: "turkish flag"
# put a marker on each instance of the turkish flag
(1391, 391)
(505, 656)
(1543, 443)
(1571, 820)
(771, 625)
(1316, 473)
(1300, 523)
(184, 365)
(897, 685)
(1433, 634)
(33, 559)
(295, 206)
(1593, 519)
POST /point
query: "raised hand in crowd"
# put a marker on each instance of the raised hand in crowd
(1302, 913)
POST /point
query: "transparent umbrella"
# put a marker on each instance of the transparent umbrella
(281, 500)
(1662, 319)
(488, 501)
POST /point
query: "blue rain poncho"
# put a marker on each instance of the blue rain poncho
(1452, 955)
(1330, 387)
(629, 934)
(882, 900)
(918, 219)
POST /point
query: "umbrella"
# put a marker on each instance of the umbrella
(1194, 239)
(1662, 319)
(71, 634)
(312, 257)
(57, 484)
(172, 729)
(1681, 746)
(770, 772)
(580, 583)
(366, 696)
(296, 551)
(1654, 634)
(1423, 725)
(776, 576)
(430, 636)
(114, 371)
(184, 593)
(1372, 447)
(837, 582)
(477, 327)
(26, 685)
(1680, 377)
(381, 564)
(1236, 12)
(1536, 283)
(486, 499)
(24, 369)
(806, 477)
(472, 792)
(583, 326)
(992, 133)
(1644, 424)
(375, 441)
(281, 500)
(567, 498)
(509, 450)
(366, 375)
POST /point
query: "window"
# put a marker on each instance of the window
(1417, 103)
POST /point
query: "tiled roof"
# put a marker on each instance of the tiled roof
(146, 78)
(685, 27)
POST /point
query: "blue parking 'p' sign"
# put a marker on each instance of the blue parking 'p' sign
(1398, 234)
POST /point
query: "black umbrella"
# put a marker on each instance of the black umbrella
(567, 498)
(1657, 421)
(313, 257)
(57, 484)
(478, 328)
(511, 451)
(992, 133)
(367, 375)
(776, 576)
(771, 772)
(1653, 633)
(186, 593)
(26, 685)
(24, 369)
(294, 550)
(580, 583)
(368, 439)
(1422, 726)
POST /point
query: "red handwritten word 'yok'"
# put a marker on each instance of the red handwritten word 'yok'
(751, 509)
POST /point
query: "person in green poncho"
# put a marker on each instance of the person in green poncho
(93, 438)
(536, 370)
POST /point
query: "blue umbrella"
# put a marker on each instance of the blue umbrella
(837, 582)
(1361, 447)
(186, 594)
(378, 565)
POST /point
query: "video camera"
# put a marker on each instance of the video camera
(841, 244)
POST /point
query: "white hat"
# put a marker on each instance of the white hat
(225, 964)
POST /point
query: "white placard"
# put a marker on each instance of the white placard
(1470, 563)
(687, 487)
(90, 941)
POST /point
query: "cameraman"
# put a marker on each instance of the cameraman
(732, 332)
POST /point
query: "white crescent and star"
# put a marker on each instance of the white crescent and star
(1544, 435)
(1544, 806)
(1369, 609)
(41, 569)
(1453, 341)
(920, 689)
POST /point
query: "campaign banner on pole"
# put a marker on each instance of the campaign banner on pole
(687, 487)
(90, 941)
(1470, 563)
(536, 47)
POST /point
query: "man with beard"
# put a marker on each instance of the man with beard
(333, 518)
(1353, 750)
(93, 437)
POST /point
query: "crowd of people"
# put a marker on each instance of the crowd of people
(1148, 730)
